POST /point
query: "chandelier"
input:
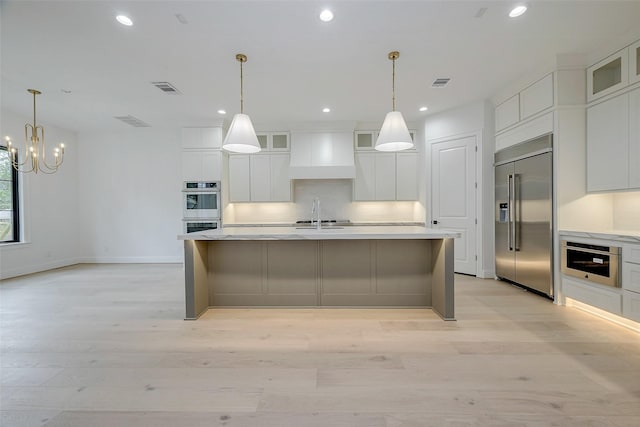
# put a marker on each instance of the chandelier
(35, 153)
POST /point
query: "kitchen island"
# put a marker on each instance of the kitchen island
(356, 266)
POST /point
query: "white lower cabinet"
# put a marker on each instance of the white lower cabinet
(631, 305)
(608, 299)
(201, 165)
(259, 178)
(386, 176)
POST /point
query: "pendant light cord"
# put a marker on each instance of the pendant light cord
(393, 87)
(241, 90)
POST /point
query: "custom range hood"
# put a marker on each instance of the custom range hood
(322, 155)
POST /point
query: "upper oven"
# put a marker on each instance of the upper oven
(201, 200)
(595, 263)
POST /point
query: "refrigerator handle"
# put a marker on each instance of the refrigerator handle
(516, 213)
(509, 212)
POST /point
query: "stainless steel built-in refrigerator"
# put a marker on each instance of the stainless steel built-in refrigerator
(523, 223)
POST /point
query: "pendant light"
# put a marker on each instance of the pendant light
(241, 137)
(394, 135)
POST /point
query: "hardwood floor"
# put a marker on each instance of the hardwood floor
(105, 345)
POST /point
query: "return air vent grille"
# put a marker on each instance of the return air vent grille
(442, 82)
(166, 87)
(132, 121)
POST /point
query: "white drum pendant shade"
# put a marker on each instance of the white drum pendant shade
(241, 137)
(394, 134)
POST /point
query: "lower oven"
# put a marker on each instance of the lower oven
(194, 225)
(593, 263)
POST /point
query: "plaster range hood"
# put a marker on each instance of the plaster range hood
(322, 155)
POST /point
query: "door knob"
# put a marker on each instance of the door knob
(435, 221)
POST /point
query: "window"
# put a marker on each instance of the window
(9, 227)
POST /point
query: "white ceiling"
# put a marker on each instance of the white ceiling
(297, 64)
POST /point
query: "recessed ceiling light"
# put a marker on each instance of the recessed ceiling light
(326, 15)
(124, 20)
(326, 110)
(517, 11)
(423, 108)
(222, 112)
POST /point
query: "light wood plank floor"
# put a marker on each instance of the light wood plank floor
(105, 345)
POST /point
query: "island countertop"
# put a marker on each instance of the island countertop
(357, 232)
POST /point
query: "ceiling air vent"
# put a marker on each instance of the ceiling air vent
(166, 87)
(132, 121)
(440, 82)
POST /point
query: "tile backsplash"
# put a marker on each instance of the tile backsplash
(335, 202)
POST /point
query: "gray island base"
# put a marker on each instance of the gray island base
(392, 266)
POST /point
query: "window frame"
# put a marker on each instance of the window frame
(15, 200)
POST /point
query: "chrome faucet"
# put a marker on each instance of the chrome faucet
(315, 209)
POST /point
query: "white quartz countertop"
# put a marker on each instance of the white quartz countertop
(618, 235)
(327, 233)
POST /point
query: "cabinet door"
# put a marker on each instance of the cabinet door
(364, 140)
(608, 75)
(201, 165)
(385, 176)
(634, 139)
(260, 178)
(634, 63)
(202, 137)
(239, 178)
(280, 181)
(537, 97)
(608, 145)
(364, 186)
(279, 141)
(508, 113)
(407, 176)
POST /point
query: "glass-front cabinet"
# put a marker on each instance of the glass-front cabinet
(608, 75)
(273, 141)
(634, 62)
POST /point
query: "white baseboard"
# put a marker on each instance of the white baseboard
(132, 260)
(8, 272)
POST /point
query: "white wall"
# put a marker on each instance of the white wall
(51, 232)
(626, 211)
(472, 119)
(129, 195)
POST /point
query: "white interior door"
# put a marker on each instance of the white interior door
(453, 204)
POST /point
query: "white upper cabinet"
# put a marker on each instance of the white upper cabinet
(273, 141)
(364, 140)
(608, 75)
(608, 145)
(634, 139)
(239, 178)
(259, 178)
(201, 165)
(386, 176)
(508, 113)
(406, 176)
(537, 97)
(634, 62)
(198, 138)
(364, 185)
(279, 177)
